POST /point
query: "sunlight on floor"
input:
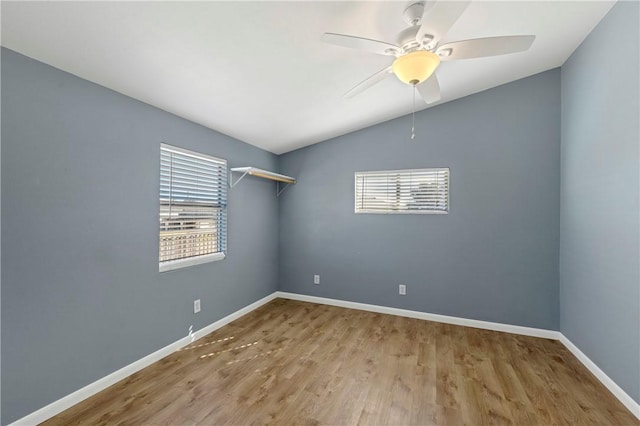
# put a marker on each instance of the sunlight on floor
(205, 344)
(263, 354)
(228, 350)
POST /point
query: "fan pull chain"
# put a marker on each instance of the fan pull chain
(413, 117)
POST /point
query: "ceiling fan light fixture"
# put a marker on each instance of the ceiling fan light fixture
(415, 67)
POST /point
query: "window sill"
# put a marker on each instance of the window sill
(183, 263)
(401, 212)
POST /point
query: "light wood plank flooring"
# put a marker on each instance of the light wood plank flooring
(292, 362)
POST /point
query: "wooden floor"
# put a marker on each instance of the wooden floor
(292, 362)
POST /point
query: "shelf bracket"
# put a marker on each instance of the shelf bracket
(232, 183)
(280, 191)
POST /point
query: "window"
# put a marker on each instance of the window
(403, 191)
(193, 208)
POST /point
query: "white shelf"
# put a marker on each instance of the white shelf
(264, 174)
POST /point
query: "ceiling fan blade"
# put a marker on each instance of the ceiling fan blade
(361, 43)
(481, 47)
(370, 81)
(438, 19)
(430, 89)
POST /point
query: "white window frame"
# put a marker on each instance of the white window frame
(169, 265)
(358, 210)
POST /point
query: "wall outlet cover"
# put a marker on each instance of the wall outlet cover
(316, 279)
(196, 306)
(402, 289)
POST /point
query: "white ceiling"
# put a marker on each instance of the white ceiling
(258, 71)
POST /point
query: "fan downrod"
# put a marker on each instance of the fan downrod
(413, 13)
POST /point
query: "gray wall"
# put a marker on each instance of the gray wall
(81, 292)
(599, 248)
(81, 295)
(494, 257)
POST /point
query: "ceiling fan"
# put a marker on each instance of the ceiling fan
(419, 49)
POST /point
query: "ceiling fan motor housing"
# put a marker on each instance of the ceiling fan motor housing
(413, 16)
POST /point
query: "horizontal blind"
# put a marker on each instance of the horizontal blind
(403, 191)
(193, 204)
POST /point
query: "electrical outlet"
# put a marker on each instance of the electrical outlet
(196, 306)
(316, 279)
(402, 289)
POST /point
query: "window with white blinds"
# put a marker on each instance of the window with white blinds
(193, 208)
(403, 191)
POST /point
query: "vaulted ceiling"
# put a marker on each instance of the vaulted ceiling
(258, 71)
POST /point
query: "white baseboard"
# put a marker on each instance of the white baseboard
(495, 326)
(91, 389)
(616, 390)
